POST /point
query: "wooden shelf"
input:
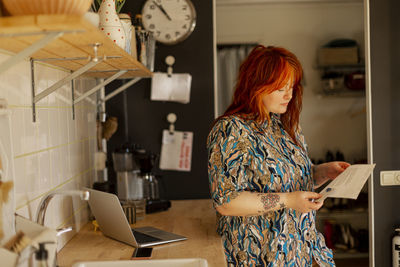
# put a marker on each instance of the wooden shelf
(19, 32)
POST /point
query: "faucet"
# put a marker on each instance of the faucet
(41, 211)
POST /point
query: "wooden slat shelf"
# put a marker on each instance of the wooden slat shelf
(76, 43)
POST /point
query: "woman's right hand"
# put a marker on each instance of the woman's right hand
(304, 201)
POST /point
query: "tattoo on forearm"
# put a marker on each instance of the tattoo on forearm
(270, 201)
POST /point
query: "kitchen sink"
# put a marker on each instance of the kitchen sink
(195, 262)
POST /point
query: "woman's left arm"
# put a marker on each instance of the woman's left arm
(328, 171)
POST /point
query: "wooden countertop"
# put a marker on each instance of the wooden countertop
(194, 219)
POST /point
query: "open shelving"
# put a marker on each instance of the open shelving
(69, 42)
(338, 87)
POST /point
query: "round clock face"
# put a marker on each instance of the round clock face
(171, 21)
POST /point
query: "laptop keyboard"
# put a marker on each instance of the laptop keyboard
(143, 238)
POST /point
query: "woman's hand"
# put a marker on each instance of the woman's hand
(328, 171)
(303, 201)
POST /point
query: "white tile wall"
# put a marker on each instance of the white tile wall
(56, 151)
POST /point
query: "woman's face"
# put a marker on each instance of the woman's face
(278, 100)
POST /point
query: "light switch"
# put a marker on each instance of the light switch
(390, 178)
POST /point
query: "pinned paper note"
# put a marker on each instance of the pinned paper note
(174, 87)
(176, 151)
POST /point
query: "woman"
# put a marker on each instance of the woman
(261, 178)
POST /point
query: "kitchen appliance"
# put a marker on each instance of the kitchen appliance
(152, 184)
(130, 185)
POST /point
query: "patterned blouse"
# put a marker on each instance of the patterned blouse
(246, 156)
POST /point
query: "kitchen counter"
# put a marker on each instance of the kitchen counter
(194, 219)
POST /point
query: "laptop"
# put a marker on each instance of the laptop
(113, 223)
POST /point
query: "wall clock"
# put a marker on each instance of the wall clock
(171, 21)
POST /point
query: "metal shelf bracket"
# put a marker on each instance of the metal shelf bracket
(72, 98)
(35, 98)
(99, 86)
(119, 90)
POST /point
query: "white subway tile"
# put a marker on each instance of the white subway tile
(64, 164)
(43, 129)
(56, 162)
(30, 139)
(3, 89)
(44, 178)
(14, 96)
(20, 181)
(32, 174)
(75, 151)
(54, 127)
(17, 129)
(20, 205)
(85, 154)
(63, 125)
(17, 80)
(51, 151)
(82, 128)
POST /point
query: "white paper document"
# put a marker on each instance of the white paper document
(176, 151)
(349, 183)
(174, 88)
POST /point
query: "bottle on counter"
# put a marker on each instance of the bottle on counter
(41, 256)
(396, 248)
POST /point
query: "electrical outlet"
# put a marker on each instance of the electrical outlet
(390, 178)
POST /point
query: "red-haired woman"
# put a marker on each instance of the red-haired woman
(261, 178)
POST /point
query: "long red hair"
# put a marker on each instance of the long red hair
(265, 70)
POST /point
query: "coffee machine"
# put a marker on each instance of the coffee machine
(152, 184)
(130, 185)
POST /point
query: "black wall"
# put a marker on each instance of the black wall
(146, 119)
(385, 87)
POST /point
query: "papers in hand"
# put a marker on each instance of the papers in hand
(349, 183)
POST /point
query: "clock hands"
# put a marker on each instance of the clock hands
(162, 10)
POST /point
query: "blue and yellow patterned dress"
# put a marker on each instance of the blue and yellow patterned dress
(246, 156)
